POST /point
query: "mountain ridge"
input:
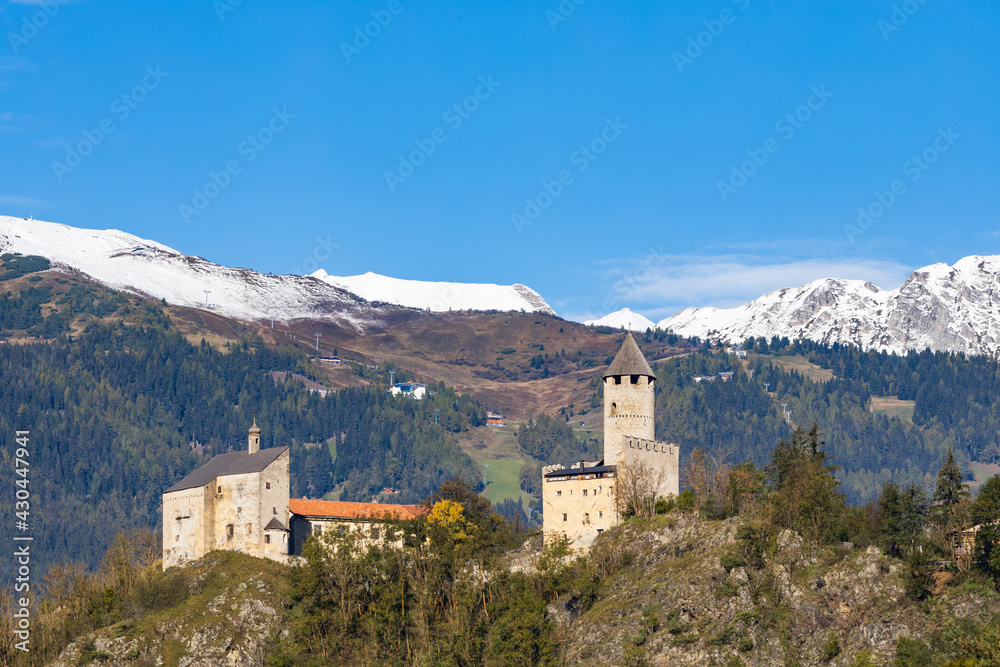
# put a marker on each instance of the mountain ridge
(127, 262)
(938, 307)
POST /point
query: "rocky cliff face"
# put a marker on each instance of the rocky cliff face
(233, 614)
(947, 308)
(675, 604)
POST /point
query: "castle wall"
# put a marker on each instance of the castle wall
(238, 513)
(578, 506)
(274, 504)
(663, 457)
(183, 526)
(274, 501)
(628, 411)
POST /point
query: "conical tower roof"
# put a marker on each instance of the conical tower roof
(629, 361)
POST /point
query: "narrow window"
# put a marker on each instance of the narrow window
(600, 515)
(267, 539)
(177, 538)
(564, 516)
(274, 510)
(229, 532)
(219, 490)
(585, 492)
(600, 530)
(267, 485)
(586, 518)
(571, 492)
(558, 494)
(249, 529)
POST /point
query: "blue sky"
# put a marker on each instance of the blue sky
(652, 155)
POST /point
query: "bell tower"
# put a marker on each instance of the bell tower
(628, 400)
(254, 437)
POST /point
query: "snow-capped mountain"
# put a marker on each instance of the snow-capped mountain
(623, 318)
(126, 262)
(947, 308)
(439, 296)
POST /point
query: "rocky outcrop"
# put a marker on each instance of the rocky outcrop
(232, 617)
(676, 604)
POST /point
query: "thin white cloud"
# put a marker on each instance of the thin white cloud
(15, 122)
(26, 202)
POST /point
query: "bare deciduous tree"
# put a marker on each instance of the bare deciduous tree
(636, 484)
(708, 476)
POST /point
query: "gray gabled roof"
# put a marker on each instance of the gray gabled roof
(274, 524)
(629, 361)
(233, 463)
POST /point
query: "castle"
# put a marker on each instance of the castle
(239, 501)
(579, 501)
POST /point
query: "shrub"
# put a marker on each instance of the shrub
(673, 623)
(726, 589)
(721, 637)
(745, 645)
(912, 653)
(731, 560)
(687, 500)
(664, 505)
(831, 649)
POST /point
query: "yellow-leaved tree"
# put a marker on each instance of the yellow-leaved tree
(450, 515)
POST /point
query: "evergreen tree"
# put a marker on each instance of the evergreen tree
(903, 514)
(986, 508)
(950, 490)
(805, 496)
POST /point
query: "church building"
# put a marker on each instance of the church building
(236, 502)
(239, 501)
(579, 501)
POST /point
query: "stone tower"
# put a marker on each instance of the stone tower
(254, 437)
(628, 400)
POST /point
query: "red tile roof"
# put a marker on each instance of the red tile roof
(340, 510)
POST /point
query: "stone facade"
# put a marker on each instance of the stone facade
(628, 411)
(235, 502)
(578, 501)
(662, 457)
(240, 502)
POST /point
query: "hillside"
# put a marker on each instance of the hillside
(226, 608)
(668, 600)
(658, 592)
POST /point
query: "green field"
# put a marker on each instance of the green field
(982, 471)
(502, 479)
(893, 407)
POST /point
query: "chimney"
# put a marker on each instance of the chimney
(254, 437)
